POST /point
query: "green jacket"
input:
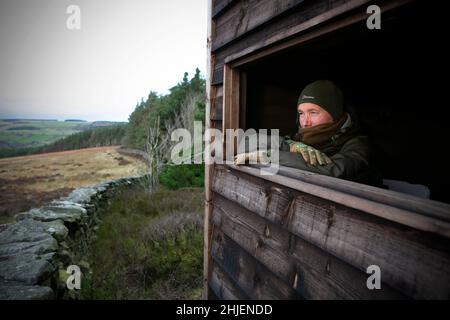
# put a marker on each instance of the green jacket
(348, 150)
(350, 161)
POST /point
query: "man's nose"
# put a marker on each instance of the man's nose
(305, 122)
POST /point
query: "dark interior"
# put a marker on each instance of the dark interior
(394, 82)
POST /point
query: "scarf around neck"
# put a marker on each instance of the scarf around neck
(317, 135)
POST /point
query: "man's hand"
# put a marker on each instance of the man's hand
(311, 155)
(255, 157)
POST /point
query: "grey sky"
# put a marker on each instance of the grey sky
(124, 49)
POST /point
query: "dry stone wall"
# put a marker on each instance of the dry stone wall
(36, 250)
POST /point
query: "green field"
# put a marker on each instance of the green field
(20, 133)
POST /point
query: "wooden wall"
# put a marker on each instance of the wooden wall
(273, 242)
(264, 240)
(243, 27)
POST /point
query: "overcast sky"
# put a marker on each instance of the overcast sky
(124, 49)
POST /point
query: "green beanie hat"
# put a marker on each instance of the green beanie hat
(325, 94)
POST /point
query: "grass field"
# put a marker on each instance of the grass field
(33, 133)
(30, 181)
(149, 246)
(22, 133)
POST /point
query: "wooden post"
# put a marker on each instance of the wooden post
(210, 167)
(231, 89)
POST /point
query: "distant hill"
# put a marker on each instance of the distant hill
(75, 120)
(31, 133)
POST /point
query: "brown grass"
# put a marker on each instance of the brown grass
(31, 181)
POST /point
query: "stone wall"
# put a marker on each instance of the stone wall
(36, 250)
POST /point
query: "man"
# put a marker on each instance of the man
(328, 140)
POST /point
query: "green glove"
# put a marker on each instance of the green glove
(311, 155)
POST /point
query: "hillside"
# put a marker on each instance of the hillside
(26, 133)
(30, 181)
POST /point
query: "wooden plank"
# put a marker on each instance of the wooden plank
(320, 275)
(294, 27)
(207, 232)
(314, 273)
(391, 213)
(272, 38)
(221, 6)
(400, 200)
(230, 98)
(296, 36)
(415, 263)
(243, 91)
(299, 34)
(217, 103)
(253, 234)
(211, 295)
(217, 115)
(251, 276)
(313, 18)
(253, 194)
(223, 286)
(217, 78)
(230, 108)
(280, 29)
(246, 16)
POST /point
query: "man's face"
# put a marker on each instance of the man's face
(311, 114)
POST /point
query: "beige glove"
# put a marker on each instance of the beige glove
(311, 155)
(255, 157)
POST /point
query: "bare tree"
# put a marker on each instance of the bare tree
(186, 116)
(158, 138)
(158, 149)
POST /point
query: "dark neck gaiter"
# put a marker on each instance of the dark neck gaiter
(317, 135)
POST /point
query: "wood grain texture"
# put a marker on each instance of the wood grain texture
(207, 232)
(300, 19)
(428, 223)
(216, 113)
(313, 273)
(426, 207)
(247, 15)
(219, 7)
(413, 262)
(231, 98)
(223, 286)
(246, 272)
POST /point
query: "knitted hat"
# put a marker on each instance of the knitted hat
(325, 94)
